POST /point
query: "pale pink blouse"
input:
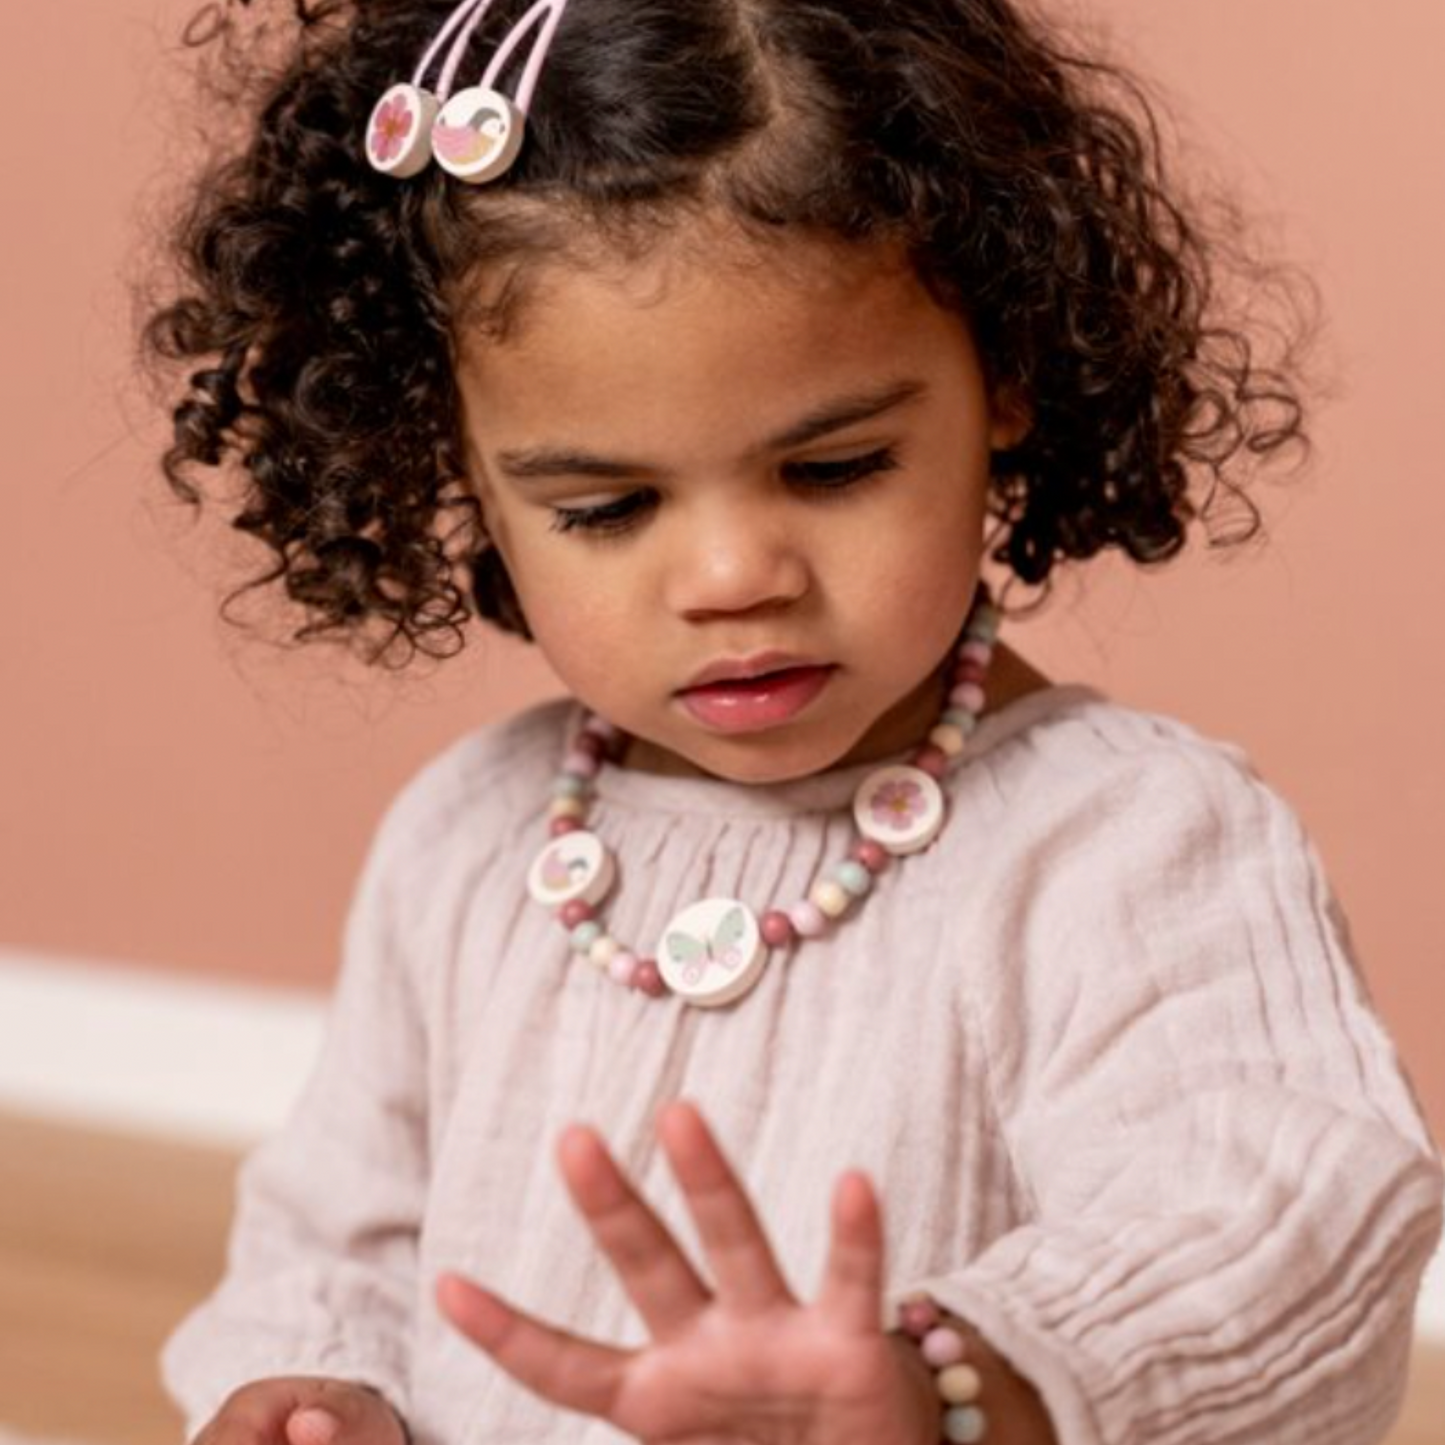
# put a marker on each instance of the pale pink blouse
(1102, 1047)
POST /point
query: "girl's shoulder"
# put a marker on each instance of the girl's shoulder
(480, 786)
(1070, 761)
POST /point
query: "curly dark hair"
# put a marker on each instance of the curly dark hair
(1025, 181)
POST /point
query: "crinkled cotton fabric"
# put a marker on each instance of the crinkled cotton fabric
(1103, 1048)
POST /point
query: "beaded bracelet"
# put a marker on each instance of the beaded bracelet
(959, 1384)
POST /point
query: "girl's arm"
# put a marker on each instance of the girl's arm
(1232, 1193)
(321, 1274)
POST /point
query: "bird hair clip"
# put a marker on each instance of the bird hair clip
(474, 135)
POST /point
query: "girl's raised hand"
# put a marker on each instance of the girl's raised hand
(740, 1360)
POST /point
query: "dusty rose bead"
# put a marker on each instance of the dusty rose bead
(589, 745)
(873, 856)
(931, 760)
(624, 967)
(776, 928)
(560, 827)
(808, 919)
(648, 979)
(917, 1316)
(975, 651)
(576, 912)
(581, 765)
(970, 671)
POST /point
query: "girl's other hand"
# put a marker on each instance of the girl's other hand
(304, 1410)
(740, 1360)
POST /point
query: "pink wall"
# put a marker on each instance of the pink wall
(171, 796)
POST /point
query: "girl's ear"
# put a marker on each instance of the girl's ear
(1011, 417)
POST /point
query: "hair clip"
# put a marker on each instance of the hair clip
(476, 134)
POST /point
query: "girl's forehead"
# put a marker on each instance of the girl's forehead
(680, 353)
(703, 284)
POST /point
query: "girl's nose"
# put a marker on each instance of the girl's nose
(737, 561)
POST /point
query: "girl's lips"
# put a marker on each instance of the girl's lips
(751, 704)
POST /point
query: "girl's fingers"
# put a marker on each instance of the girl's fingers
(747, 1274)
(574, 1373)
(657, 1275)
(852, 1290)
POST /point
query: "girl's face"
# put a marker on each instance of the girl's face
(741, 497)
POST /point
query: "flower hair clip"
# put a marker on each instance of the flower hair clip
(474, 135)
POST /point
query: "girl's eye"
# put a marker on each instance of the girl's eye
(846, 472)
(606, 518)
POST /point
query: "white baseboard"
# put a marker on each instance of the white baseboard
(151, 1053)
(209, 1063)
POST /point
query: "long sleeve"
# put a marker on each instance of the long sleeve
(321, 1276)
(1230, 1194)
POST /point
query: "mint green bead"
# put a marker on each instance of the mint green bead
(854, 877)
(569, 785)
(965, 1425)
(983, 626)
(957, 717)
(585, 935)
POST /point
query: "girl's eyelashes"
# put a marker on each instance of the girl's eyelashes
(621, 514)
(605, 518)
(844, 472)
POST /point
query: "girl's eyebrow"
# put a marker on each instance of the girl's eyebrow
(537, 462)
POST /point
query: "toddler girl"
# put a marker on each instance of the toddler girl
(926, 1050)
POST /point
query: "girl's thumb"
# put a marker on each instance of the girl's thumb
(312, 1425)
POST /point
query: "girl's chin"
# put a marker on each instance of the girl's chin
(757, 758)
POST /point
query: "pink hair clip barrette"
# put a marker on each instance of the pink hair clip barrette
(474, 135)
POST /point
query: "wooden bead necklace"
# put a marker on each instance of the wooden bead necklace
(714, 951)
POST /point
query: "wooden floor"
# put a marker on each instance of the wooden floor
(106, 1241)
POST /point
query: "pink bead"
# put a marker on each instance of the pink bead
(776, 928)
(601, 729)
(969, 671)
(560, 827)
(873, 856)
(581, 765)
(576, 912)
(648, 979)
(808, 919)
(975, 651)
(931, 760)
(624, 967)
(943, 1346)
(917, 1316)
(969, 696)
